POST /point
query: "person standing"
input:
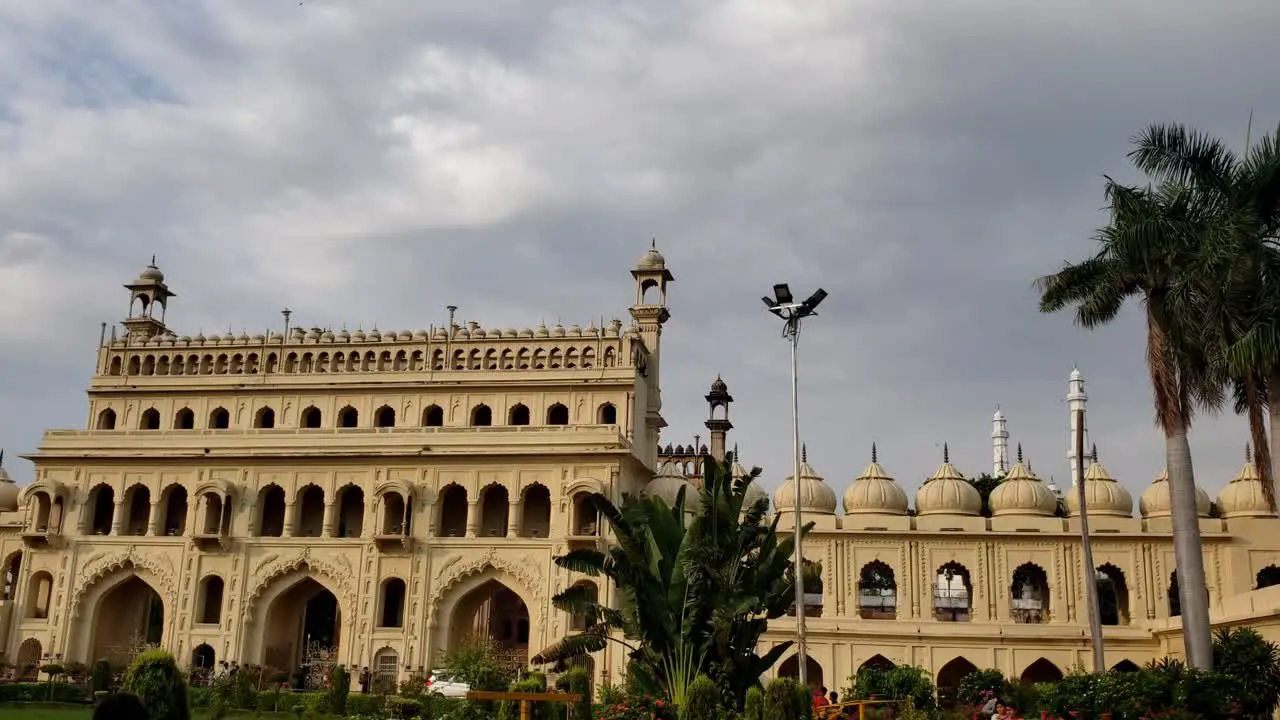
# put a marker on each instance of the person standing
(365, 677)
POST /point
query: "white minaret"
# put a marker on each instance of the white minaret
(1076, 400)
(999, 444)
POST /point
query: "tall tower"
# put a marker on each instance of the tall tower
(145, 293)
(718, 422)
(650, 314)
(999, 444)
(1076, 399)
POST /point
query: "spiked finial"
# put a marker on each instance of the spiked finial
(1033, 472)
(946, 453)
(1248, 453)
(874, 459)
(804, 453)
(1019, 453)
(653, 244)
(735, 451)
(153, 260)
(1, 457)
(1094, 455)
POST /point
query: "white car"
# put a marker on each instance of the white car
(443, 684)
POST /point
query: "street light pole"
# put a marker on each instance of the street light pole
(792, 313)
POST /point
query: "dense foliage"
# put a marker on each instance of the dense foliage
(155, 678)
(901, 682)
(696, 592)
(786, 699)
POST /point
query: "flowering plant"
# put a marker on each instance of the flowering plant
(638, 707)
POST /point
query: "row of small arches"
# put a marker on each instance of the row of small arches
(312, 418)
(136, 515)
(148, 364)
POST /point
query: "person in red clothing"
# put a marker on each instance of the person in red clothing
(819, 698)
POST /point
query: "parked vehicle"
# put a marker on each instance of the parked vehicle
(442, 683)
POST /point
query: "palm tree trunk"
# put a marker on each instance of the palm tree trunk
(1192, 588)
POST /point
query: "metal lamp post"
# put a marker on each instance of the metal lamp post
(792, 313)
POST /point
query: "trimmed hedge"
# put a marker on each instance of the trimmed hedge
(43, 692)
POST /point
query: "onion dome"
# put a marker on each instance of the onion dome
(946, 492)
(814, 495)
(440, 334)
(1243, 497)
(575, 331)
(327, 336)
(558, 331)
(1102, 494)
(542, 331)
(150, 274)
(1155, 502)
(8, 489)
(1022, 493)
(357, 336)
(874, 492)
(666, 485)
(652, 260)
(374, 336)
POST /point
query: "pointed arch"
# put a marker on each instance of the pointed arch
(790, 668)
(950, 677)
(558, 414)
(481, 416)
(1267, 577)
(433, 416)
(1041, 671)
(106, 420)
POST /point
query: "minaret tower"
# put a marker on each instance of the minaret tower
(718, 422)
(650, 314)
(999, 444)
(145, 293)
(1076, 399)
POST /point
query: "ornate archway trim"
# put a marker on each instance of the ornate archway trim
(53, 488)
(273, 567)
(100, 566)
(456, 569)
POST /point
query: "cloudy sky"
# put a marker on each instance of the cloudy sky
(373, 161)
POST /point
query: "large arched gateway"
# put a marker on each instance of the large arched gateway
(120, 615)
(297, 622)
(492, 605)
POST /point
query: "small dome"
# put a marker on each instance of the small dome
(8, 489)
(874, 492)
(719, 386)
(815, 496)
(327, 336)
(652, 260)
(575, 331)
(358, 336)
(1022, 493)
(1155, 501)
(150, 274)
(343, 336)
(1102, 494)
(946, 492)
(557, 331)
(666, 485)
(440, 334)
(420, 334)
(1243, 497)
(542, 331)
(374, 336)
(258, 338)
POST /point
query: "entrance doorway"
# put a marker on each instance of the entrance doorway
(302, 632)
(130, 618)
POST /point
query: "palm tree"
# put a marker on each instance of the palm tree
(695, 593)
(1242, 266)
(1149, 251)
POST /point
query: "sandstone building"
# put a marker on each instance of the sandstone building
(373, 498)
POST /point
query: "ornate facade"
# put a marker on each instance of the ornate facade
(376, 497)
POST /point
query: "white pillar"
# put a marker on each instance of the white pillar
(1076, 399)
(999, 444)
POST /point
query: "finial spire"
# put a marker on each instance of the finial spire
(1019, 453)
(946, 452)
(153, 259)
(653, 244)
(735, 453)
(874, 459)
(1, 457)
(1248, 453)
(1093, 456)
(804, 452)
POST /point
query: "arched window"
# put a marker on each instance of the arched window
(579, 622)
(433, 416)
(137, 502)
(1113, 595)
(310, 512)
(184, 419)
(211, 587)
(350, 512)
(1029, 595)
(481, 416)
(39, 594)
(1268, 576)
(393, 515)
(392, 614)
(271, 508)
(264, 418)
(607, 414)
(212, 524)
(174, 500)
(384, 417)
(952, 593)
(535, 511)
(219, 419)
(519, 415)
(107, 419)
(102, 510)
(877, 592)
(311, 418)
(150, 419)
(348, 417)
(584, 515)
(557, 414)
(495, 508)
(453, 511)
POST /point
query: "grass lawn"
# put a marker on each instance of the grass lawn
(53, 712)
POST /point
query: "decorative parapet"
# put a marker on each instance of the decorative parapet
(315, 352)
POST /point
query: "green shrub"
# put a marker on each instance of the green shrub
(154, 677)
(100, 676)
(701, 700)
(23, 692)
(403, 708)
(339, 689)
(361, 704)
(896, 683)
(786, 699)
(577, 681)
(976, 687)
(753, 704)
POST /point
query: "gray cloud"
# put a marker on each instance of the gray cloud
(375, 161)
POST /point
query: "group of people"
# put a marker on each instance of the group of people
(996, 710)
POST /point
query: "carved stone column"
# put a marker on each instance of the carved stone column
(514, 514)
(153, 520)
(330, 521)
(117, 516)
(473, 518)
(290, 518)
